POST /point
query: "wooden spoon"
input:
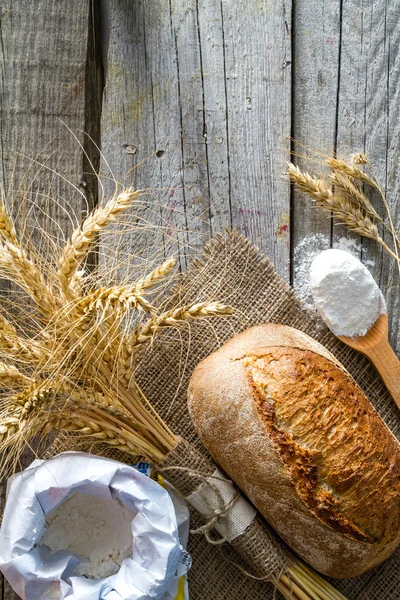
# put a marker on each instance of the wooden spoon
(375, 345)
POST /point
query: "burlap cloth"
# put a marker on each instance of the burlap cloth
(234, 271)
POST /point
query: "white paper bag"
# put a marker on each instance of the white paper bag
(158, 559)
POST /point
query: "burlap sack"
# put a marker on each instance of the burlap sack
(234, 271)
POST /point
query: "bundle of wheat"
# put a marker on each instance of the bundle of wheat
(69, 362)
(342, 196)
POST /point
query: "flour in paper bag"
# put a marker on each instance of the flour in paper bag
(93, 527)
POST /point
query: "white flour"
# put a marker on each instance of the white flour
(96, 529)
(345, 293)
(305, 252)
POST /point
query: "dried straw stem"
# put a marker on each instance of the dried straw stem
(312, 583)
(84, 237)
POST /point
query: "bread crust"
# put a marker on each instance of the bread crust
(287, 422)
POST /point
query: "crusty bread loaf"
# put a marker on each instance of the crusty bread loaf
(289, 424)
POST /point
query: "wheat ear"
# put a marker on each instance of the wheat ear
(155, 276)
(344, 185)
(96, 426)
(14, 345)
(28, 275)
(87, 429)
(6, 226)
(10, 375)
(337, 164)
(126, 297)
(352, 216)
(171, 318)
(175, 316)
(123, 297)
(83, 237)
(11, 424)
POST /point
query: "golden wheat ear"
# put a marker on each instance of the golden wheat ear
(341, 204)
(337, 164)
(6, 226)
(84, 237)
(126, 297)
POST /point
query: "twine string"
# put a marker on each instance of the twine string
(216, 515)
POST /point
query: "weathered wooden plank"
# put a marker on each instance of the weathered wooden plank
(141, 136)
(368, 112)
(212, 107)
(316, 37)
(43, 93)
(50, 79)
(258, 83)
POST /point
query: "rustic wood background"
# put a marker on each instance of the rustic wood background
(203, 97)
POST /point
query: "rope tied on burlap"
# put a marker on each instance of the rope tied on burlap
(216, 516)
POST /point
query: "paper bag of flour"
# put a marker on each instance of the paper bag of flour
(156, 565)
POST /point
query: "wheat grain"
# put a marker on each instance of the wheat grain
(84, 237)
(360, 159)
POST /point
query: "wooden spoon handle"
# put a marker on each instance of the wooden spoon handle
(388, 365)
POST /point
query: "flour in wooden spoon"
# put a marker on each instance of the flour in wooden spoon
(345, 293)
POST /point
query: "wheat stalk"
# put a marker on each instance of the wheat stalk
(83, 237)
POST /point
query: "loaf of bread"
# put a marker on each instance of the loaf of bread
(291, 427)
